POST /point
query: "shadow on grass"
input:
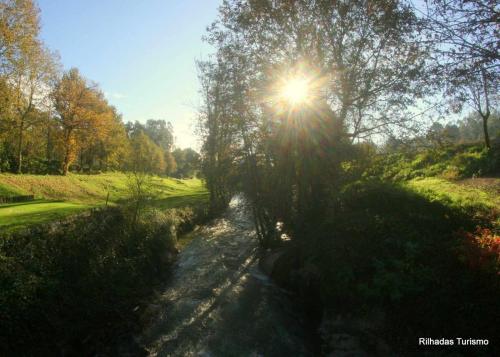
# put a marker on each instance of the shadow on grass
(22, 214)
(180, 201)
(34, 202)
(391, 249)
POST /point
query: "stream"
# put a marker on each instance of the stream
(219, 303)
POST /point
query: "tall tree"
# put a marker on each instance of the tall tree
(188, 162)
(161, 132)
(19, 28)
(82, 113)
(217, 127)
(32, 78)
(361, 63)
(466, 52)
(26, 68)
(364, 55)
(146, 156)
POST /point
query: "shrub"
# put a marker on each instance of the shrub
(387, 248)
(64, 287)
(479, 249)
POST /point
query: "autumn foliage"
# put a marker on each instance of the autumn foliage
(479, 249)
(54, 121)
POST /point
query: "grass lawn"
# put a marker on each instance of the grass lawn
(13, 216)
(59, 196)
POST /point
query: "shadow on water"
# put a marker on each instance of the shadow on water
(218, 302)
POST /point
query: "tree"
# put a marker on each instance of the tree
(139, 184)
(362, 65)
(160, 132)
(146, 156)
(188, 162)
(471, 127)
(113, 150)
(364, 55)
(465, 34)
(82, 113)
(19, 29)
(482, 95)
(218, 129)
(32, 79)
(27, 69)
(105, 144)
(170, 163)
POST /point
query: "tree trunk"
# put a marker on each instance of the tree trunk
(486, 115)
(49, 145)
(67, 154)
(485, 129)
(20, 147)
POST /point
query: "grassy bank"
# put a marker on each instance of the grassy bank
(77, 286)
(480, 201)
(411, 248)
(60, 196)
(387, 248)
(74, 288)
(451, 162)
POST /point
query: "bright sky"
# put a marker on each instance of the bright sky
(141, 52)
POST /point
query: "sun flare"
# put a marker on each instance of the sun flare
(296, 90)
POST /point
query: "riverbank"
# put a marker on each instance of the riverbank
(71, 286)
(57, 197)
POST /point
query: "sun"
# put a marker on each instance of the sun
(296, 90)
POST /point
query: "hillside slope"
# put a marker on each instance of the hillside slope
(58, 196)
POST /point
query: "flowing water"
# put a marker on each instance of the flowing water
(219, 303)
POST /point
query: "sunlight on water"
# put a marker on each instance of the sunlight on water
(219, 301)
(285, 237)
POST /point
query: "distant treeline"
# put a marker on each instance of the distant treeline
(54, 121)
(465, 131)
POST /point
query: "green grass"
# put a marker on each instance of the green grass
(6, 190)
(454, 194)
(14, 216)
(472, 200)
(463, 177)
(89, 189)
(59, 196)
(452, 162)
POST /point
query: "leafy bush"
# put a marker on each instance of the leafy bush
(64, 287)
(388, 248)
(480, 249)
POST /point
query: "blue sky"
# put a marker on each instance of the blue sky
(142, 53)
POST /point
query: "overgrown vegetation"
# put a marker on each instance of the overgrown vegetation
(69, 287)
(391, 250)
